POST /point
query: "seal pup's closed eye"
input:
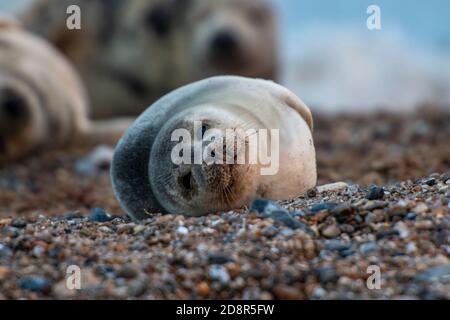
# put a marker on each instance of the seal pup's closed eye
(147, 173)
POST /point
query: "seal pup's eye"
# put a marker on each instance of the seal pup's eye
(159, 20)
(12, 105)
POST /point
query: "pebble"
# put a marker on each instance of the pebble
(375, 193)
(104, 229)
(35, 284)
(402, 229)
(203, 289)
(269, 209)
(311, 192)
(264, 206)
(375, 204)
(323, 206)
(95, 162)
(138, 229)
(326, 274)
(284, 292)
(336, 245)
(420, 208)
(126, 228)
(182, 230)
(218, 258)
(368, 247)
(353, 189)
(411, 216)
(219, 273)
(331, 231)
(127, 272)
(346, 252)
(342, 209)
(137, 287)
(5, 222)
(99, 215)
(332, 187)
(439, 274)
(19, 223)
(387, 233)
(411, 247)
(430, 182)
(5, 252)
(424, 224)
(319, 293)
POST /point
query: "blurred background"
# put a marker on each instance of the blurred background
(334, 63)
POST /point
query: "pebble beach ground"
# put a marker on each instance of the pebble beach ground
(390, 209)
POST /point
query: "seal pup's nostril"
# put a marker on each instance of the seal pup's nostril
(187, 181)
(187, 185)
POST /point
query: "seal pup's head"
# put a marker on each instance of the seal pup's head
(199, 161)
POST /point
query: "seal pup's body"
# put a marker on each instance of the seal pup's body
(145, 178)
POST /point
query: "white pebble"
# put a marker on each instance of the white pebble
(182, 230)
(332, 187)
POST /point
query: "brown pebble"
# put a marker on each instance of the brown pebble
(284, 292)
(331, 231)
(424, 224)
(203, 289)
(420, 208)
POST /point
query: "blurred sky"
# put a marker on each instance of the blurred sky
(334, 63)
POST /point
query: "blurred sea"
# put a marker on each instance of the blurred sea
(334, 63)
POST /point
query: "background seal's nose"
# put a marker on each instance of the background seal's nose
(224, 42)
(12, 104)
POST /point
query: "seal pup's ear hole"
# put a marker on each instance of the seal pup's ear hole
(159, 20)
(12, 105)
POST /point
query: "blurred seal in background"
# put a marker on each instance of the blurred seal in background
(43, 103)
(130, 53)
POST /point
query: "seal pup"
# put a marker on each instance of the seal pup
(146, 179)
(42, 100)
(130, 53)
